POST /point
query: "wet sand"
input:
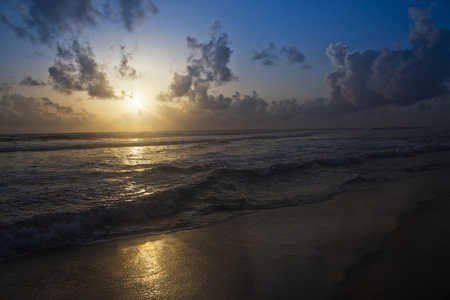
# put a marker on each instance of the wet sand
(414, 260)
(369, 244)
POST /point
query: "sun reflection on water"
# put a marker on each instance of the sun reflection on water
(134, 156)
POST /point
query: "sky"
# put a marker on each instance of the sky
(142, 65)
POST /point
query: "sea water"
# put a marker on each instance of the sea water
(69, 189)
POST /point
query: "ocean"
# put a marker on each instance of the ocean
(59, 190)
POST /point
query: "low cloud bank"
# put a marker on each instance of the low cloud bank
(16, 109)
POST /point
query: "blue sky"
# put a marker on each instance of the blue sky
(95, 65)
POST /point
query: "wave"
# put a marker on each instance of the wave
(150, 213)
(51, 230)
(24, 147)
(218, 171)
(208, 194)
(221, 180)
(339, 160)
(160, 212)
(52, 142)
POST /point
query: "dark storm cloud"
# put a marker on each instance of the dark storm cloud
(75, 69)
(270, 55)
(42, 21)
(370, 79)
(124, 70)
(424, 106)
(207, 64)
(267, 56)
(16, 109)
(28, 80)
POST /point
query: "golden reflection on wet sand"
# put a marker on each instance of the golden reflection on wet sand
(161, 268)
(145, 268)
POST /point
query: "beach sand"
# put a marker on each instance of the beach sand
(375, 243)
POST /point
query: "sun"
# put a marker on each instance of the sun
(134, 103)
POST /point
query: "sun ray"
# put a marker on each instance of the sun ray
(135, 103)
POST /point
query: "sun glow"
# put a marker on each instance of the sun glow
(137, 111)
(135, 102)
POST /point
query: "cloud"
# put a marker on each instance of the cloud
(424, 106)
(337, 53)
(134, 12)
(209, 60)
(248, 104)
(294, 109)
(270, 55)
(285, 109)
(374, 78)
(125, 71)
(294, 56)
(16, 109)
(181, 85)
(267, 56)
(6, 87)
(200, 98)
(207, 64)
(361, 82)
(28, 80)
(43, 21)
(76, 70)
(75, 67)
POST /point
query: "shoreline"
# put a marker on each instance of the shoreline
(313, 251)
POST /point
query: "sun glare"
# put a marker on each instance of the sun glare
(139, 113)
(134, 102)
